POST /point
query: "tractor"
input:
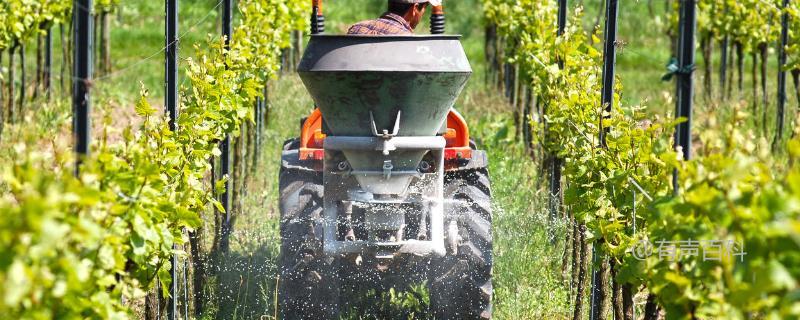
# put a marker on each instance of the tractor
(384, 188)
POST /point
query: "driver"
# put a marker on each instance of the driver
(401, 18)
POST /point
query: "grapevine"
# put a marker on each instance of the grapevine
(74, 247)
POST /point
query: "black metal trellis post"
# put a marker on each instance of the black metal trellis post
(48, 60)
(562, 16)
(723, 64)
(257, 130)
(171, 97)
(554, 200)
(607, 98)
(685, 76)
(610, 60)
(82, 77)
(225, 146)
(261, 107)
(171, 103)
(782, 76)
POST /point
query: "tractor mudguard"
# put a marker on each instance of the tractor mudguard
(290, 159)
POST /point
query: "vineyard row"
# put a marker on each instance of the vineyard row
(87, 246)
(618, 164)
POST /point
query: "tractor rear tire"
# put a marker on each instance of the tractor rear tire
(308, 287)
(461, 282)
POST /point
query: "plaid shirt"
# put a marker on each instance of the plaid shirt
(388, 24)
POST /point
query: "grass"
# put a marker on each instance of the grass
(526, 278)
(251, 267)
